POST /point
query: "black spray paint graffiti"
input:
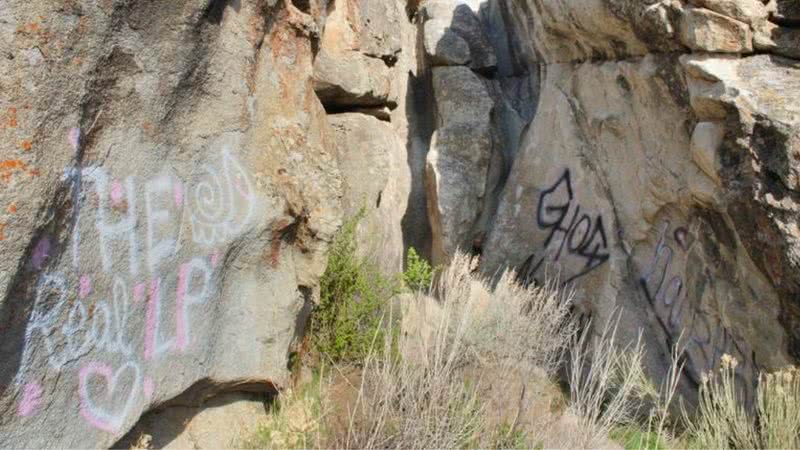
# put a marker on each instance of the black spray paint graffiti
(570, 231)
(705, 338)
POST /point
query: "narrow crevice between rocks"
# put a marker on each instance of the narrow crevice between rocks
(302, 5)
(383, 113)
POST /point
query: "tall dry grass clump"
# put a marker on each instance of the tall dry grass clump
(723, 421)
(430, 393)
(779, 409)
(606, 382)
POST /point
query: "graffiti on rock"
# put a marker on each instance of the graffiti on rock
(570, 231)
(705, 336)
(98, 400)
(142, 263)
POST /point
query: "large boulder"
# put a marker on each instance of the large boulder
(659, 180)
(454, 35)
(356, 50)
(168, 197)
(372, 161)
(458, 160)
(705, 30)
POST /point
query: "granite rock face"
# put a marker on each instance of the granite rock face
(458, 160)
(172, 173)
(659, 174)
(371, 158)
(168, 192)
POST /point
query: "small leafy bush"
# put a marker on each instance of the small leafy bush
(419, 273)
(353, 299)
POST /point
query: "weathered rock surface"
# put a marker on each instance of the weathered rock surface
(705, 30)
(350, 68)
(168, 192)
(779, 40)
(371, 158)
(225, 421)
(748, 11)
(443, 46)
(458, 160)
(171, 175)
(662, 184)
(350, 78)
(445, 21)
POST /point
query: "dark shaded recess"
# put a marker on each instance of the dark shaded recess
(373, 110)
(215, 11)
(768, 138)
(722, 234)
(421, 118)
(201, 395)
(302, 5)
(788, 13)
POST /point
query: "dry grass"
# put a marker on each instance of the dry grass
(473, 366)
(469, 368)
(474, 370)
(722, 421)
(296, 419)
(605, 382)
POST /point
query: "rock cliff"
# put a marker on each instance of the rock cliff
(657, 175)
(171, 174)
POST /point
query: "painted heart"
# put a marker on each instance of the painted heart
(100, 406)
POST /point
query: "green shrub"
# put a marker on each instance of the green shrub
(633, 438)
(419, 273)
(353, 299)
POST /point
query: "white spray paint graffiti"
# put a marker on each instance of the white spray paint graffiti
(73, 316)
(215, 216)
(95, 406)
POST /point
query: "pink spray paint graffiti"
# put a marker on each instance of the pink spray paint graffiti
(31, 400)
(149, 388)
(117, 193)
(84, 286)
(97, 405)
(177, 194)
(125, 227)
(74, 138)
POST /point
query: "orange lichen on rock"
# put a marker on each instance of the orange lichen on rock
(12, 208)
(8, 166)
(2, 227)
(26, 145)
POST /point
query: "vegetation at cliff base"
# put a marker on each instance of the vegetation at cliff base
(449, 359)
(353, 296)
